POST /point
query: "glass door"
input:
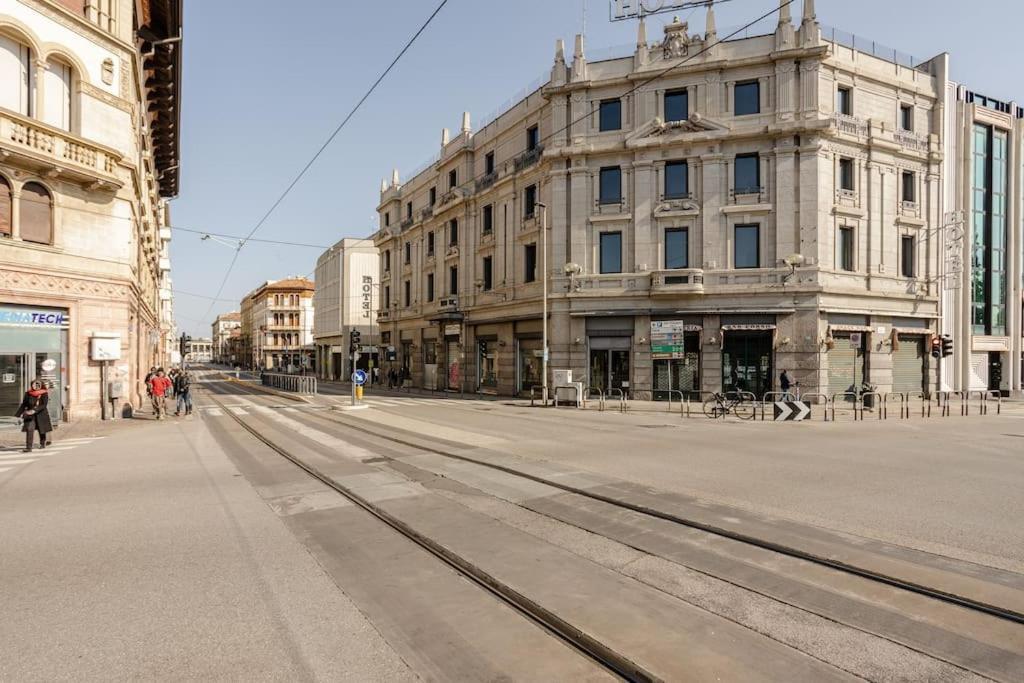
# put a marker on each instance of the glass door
(609, 369)
(619, 366)
(599, 370)
(12, 382)
(747, 362)
(50, 372)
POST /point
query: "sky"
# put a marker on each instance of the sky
(265, 83)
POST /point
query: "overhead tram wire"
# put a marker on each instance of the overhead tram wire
(323, 147)
(471, 183)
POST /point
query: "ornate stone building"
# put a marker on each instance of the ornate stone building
(223, 329)
(88, 156)
(277, 326)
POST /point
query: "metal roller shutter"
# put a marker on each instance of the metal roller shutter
(908, 365)
(845, 366)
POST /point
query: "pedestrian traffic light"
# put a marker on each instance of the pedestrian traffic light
(936, 347)
(947, 346)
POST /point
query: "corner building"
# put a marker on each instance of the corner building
(717, 212)
(89, 135)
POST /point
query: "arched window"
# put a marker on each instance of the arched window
(5, 208)
(15, 76)
(57, 95)
(35, 210)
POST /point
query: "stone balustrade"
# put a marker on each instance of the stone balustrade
(42, 148)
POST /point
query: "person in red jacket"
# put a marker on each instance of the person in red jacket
(159, 384)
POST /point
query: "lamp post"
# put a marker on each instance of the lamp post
(544, 322)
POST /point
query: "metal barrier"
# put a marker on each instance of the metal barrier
(682, 397)
(982, 395)
(943, 398)
(878, 397)
(904, 406)
(600, 397)
(299, 384)
(765, 402)
(999, 401)
(622, 398)
(926, 400)
(575, 389)
(533, 396)
(700, 398)
(857, 404)
(824, 403)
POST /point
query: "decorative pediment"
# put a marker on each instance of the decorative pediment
(656, 128)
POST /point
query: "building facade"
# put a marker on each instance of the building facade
(347, 286)
(715, 213)
(199, 350)
(277, 326)
(88, 156)
(223, 327)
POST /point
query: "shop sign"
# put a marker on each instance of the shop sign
(757, 327)
(367, 295)
(668, 338)
(452, 330)
(22, 316)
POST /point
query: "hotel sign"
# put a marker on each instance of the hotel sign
(367, 295)
(631, 9)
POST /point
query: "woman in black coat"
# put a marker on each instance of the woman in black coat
(35, 414)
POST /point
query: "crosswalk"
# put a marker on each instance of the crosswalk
(12, 457)
(406, 401)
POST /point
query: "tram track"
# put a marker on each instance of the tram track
(594, 650)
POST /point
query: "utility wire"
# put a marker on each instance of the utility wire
(242, 240)
(320, 151)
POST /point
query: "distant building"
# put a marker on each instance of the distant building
(199, 350)
(277, 326)
(347, 283)
(223, 326)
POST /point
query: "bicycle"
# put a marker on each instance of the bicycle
(719, 405)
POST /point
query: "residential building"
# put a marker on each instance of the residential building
(89, 139)
(277, 326)
(345, 299)
(223, 327)
(199, 350)
(716, 212)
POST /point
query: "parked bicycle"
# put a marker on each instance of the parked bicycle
(720, 405)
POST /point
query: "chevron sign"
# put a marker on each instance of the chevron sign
(791, 411)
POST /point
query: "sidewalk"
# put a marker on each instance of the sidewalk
(146, 555)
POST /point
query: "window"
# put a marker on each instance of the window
(747, 178)
(57, 95)
(387, 218)
(907, 256)
(906, 117)
(846, 174)
(406, 292)
(677, 248)
(36, 219)
(387, 260)
(488, 273)
(677, 181)
(453, 232)
(453, 281)
(530, 201)
(430, 243)
(748, 246)
(387, 297)
(6, 208)
(407, 254)
(844, 101)
(611, 252)
(909, 187)
(489, 163)
(488, 219)
(408, 209)
(430, 287)
(845, 256)
(748, 98)
(530, 263)
(453, 179)
(16, 64)
(433, 196)
(677, 105)
(611, 185)
(610, 115)
(532, 138)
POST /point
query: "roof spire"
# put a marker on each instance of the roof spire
(465, 122)
(394, 178)
(579, 61)
(809, 14)
(784, 14)
(710, 32)
(383, 185)
(445, 137)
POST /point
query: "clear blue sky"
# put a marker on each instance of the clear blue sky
(266, 82)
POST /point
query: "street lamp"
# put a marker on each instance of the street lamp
(544, 323)
(793, 260)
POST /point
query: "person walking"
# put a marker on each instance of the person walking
(785, 383)
(35, 414)
(149, 378)
(158, 387)
(183, 393)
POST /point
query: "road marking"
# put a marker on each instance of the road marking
(237, 411)
(213, 411)
(84, 439)
(4, 469)
(19, 462)
(18, 454)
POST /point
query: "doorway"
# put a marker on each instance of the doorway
(609, 369)
(747, 361)
(17, 370)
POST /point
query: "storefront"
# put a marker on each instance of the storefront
(487, 365)
(609, 342)
(33, 345)
(909, 361)
(675, 353)
(748, 353)
(530, 354)
(847, 369)
(453, 356)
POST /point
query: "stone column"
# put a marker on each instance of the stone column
(785, 77)
(39, 112)
(558, 221)
(711, 354)
(787, 236)
(15, 213)
(713, 243)
(579, 215)
(645, 240)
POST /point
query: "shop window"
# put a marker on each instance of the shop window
(610, 115)
(36, 214)
(748, 98)
(611, 252)
(747, 247)
(846, 174)
(677, 180)
(488, 281)
(6, 208)
(677, 105)
(530, 263)
(747, 174)
(611, 185)
(907, 256)
(677, 248)
(846, 248)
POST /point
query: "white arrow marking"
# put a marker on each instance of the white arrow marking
(805, 410)
(783, 411)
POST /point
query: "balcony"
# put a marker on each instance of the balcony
(677, 281)
(383, 314)
(850, 125)
(486, 181)
(50, 151)
(426, 212)
(452, 251)
(449, 304)
(528, 158)
(911, 140)
(408, 222)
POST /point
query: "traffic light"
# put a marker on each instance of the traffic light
(947, 346)
(482, 344)
(354, 338)
(936, 347)
(183, 344)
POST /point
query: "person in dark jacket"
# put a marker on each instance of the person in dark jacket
(35, 414)
(183, 393)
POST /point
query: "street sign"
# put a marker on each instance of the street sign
(359, 378)
(791, 411)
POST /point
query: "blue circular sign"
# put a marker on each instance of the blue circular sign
(359, 377)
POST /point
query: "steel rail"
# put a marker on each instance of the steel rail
(788, 551)
(550, 622)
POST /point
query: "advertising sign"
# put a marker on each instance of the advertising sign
(668, 338)
(631, 9)
(105, 348)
